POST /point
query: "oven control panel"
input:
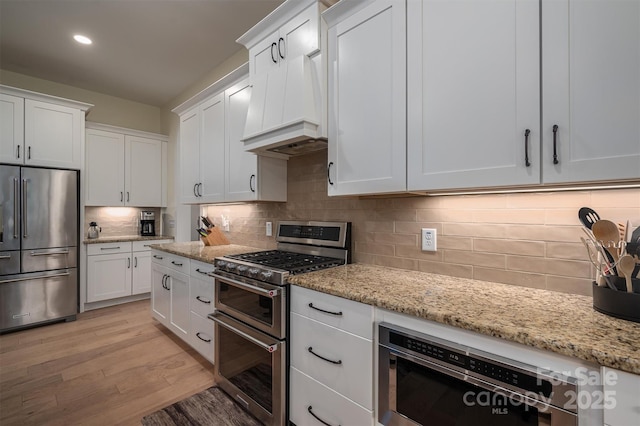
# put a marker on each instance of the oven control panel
(473, 364)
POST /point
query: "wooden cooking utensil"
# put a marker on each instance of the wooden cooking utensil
(626, 265)
(606, 232)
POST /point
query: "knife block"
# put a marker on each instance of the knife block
(215, 237)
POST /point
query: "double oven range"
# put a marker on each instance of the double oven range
(252, 311)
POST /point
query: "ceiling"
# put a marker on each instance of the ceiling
(147, 51)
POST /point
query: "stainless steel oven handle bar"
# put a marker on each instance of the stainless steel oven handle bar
(268, 348)
(251, 288)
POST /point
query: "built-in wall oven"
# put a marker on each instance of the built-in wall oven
(252, 310)
(424, 380)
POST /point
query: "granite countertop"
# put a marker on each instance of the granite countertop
(124, 239)
(563, 323)
(198, 251)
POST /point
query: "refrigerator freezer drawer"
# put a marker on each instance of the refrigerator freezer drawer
(9, 262)
(49, 259)
(29, 299)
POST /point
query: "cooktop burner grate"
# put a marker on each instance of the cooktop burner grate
(288, 261)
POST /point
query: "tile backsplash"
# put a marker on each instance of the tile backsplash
(117, 221)
(526, 239)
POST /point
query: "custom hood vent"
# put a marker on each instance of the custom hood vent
(287, 111)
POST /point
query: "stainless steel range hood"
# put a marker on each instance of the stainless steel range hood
(287, 110)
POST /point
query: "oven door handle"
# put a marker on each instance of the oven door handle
(268, 348)
(267, 293)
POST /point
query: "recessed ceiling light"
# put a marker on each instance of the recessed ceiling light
(82, 39)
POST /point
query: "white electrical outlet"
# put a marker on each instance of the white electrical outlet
(269, 229)
(429, 239)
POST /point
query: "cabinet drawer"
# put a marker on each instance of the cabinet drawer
(177, 263)
(201, 335)
(354, 317)
(159, 257)
(201, 296)
(347, 366)
(109, 248)
(326, 404)
(144, 245)
(201, 269)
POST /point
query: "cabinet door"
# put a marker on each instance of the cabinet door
(180, 313)
(160, 292)
(264, 55)
(11, 129)
(104, 168)
(241, 165)
(473, 91)
(190, 155)
(141, 275)
(143, 172)
(591, 90)
(367, 101)
(621, 397)
(300, 36)
(108, 276)
(212, 150)
(52, 135)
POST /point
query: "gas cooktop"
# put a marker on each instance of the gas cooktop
(294, 263)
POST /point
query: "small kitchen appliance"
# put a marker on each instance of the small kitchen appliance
(94, 231)
(147, 223)
(252, 311)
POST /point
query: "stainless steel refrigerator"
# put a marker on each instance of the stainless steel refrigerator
(38, 246)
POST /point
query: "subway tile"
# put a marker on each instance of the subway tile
(395, 262)
(382, 249)
(523, 216)
(452, 270)
(569, 285)
(379, 226)
(524, 279)
(414, 252)
(525, 248)
(544, 233)
(574, 251)
(629, 197)
(491, 260)
(415, 227)
(404, 215)
(454, 243)
(548, 200)
(562, 267)
(444, 215)
(476, 230)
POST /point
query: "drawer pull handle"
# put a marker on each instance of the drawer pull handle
(155, 256)
(110, 248)
(555, 144)
(176, 263)
(310, 410)
(326, 312)
(208, 302)
(527, 132)
(338, 362)
(203, 272)
(204, 340)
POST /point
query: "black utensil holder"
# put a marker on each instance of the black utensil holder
(619, 304)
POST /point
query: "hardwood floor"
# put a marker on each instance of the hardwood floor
(111, 366)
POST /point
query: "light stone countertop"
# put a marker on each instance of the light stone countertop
(198, 251)
(124, 239)
(563, 323)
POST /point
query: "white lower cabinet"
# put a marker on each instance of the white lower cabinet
(312, 403)
(182, 297)
(201, 305)
(118, 269)
(622, 390)
(331, 344)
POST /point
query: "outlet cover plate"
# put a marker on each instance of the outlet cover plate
(429, 239)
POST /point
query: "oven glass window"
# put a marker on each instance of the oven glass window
(432, 398)
(247, 366)
(254, 305)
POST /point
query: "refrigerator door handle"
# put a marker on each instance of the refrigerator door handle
(49, 253)
(15, 280)
(24, 208)
(16, 206)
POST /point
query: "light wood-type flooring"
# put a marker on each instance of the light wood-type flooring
(111, 366)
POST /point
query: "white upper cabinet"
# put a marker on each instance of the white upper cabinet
(125, 167)
(214, 164)
(40, 130)
(367, 97)
(474, 103)
(11, 129)
(591, 90)
(288, 77)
